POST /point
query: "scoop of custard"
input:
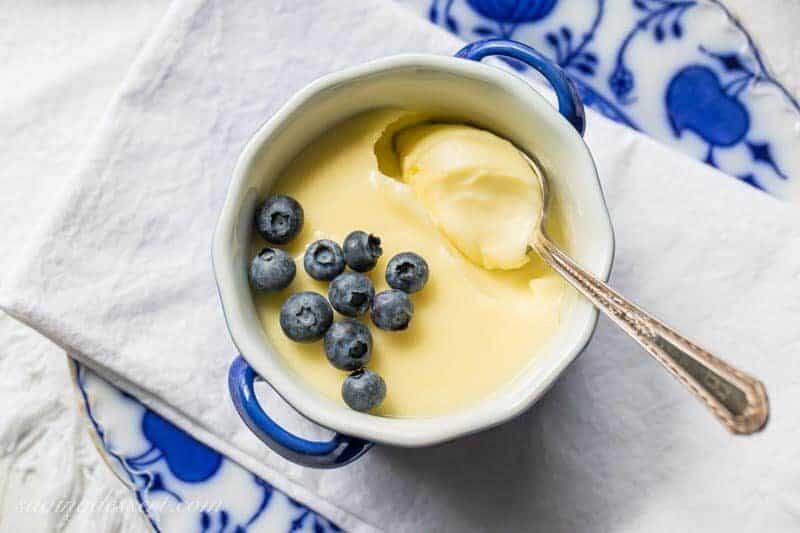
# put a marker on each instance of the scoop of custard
(477, 187)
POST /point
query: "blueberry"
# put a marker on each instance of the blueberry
(361, 251)
(348, 344)
(392, 310)
(407, 272)
(351, 293)
(271, 270)
(324, 260)
(363, 390)
(279, 219)
(306, 316)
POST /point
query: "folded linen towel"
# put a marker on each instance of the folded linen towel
(119, 275)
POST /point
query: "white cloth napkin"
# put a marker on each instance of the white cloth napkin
(119, 274)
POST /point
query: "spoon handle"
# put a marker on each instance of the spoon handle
(738, 400)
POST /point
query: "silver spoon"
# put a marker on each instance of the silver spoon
(738, 400)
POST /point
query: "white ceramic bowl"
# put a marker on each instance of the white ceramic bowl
(482, 94)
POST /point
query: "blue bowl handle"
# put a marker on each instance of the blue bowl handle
(334, 453)
(569, 102)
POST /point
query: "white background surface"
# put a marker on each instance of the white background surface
(60, 63)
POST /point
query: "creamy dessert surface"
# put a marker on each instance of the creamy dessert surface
(477, 187)
(476, 324)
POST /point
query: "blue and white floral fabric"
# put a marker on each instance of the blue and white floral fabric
(683, 71)
(180, 483)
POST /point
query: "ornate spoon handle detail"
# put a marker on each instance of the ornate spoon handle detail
(738, 400)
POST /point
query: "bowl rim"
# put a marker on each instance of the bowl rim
(406, 432)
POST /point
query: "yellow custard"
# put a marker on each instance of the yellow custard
(454, 195)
